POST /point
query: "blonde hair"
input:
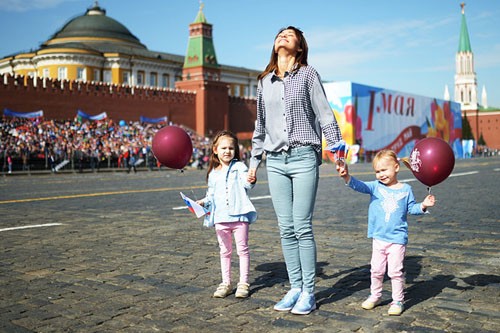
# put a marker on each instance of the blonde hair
(385, 153)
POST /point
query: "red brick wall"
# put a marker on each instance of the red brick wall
(61, 100)
(242, 115)
(489, 126)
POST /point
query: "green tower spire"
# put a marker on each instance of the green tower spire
(464, 43)
(200, 50)
(200, 17)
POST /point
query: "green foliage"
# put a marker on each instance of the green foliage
(481, 141)
(466, 129)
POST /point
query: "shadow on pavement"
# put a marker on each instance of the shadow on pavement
(424, 290)
(273, 273)
(358, 279)
(481, 280)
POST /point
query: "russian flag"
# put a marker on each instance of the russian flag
(193, 207)
(340, 150)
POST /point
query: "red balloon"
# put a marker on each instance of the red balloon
(432, 161)
(172, 147)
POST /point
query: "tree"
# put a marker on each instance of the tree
(481, 141)
(466, 129)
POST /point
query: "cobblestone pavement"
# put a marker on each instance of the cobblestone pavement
(113, 253)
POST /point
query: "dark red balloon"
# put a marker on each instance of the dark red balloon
(432, 161)
(172, 147)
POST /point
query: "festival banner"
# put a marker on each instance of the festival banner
(84, 115)
(376, 118)
(153, 120)
(10, 113)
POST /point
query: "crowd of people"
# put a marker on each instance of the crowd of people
(42, 143)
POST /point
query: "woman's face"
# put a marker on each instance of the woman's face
(287, 40)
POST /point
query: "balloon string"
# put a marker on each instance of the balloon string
(429, 190)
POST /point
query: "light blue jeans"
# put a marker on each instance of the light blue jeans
(293, 183)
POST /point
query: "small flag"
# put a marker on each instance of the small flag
(193, 207)
(340, 151)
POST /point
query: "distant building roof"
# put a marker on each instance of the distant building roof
(488, 109)
(200, 17)
(94, 24)
(464, 43)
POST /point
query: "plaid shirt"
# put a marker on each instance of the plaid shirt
(292, 112)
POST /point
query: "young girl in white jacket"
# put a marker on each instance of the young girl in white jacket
(231, 210)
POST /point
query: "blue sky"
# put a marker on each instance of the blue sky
(404, 45)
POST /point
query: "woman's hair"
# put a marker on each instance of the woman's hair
(385, 153)
(301, 58)
(214, 162)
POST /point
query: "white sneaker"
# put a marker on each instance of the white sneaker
(370, 303)
(242, 290)
(396, 309)
(223, 290)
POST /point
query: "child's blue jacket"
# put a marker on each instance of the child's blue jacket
(388, 210)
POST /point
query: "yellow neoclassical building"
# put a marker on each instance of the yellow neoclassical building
(96, 47)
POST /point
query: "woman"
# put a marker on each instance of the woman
(292, 114)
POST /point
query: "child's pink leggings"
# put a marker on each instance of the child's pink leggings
(224, 233)
(388, 255)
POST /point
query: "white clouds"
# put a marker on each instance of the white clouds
(489, 58)
(375, 48)
(26, 5)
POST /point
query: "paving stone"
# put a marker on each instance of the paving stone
(13, 328)
(127, 261)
